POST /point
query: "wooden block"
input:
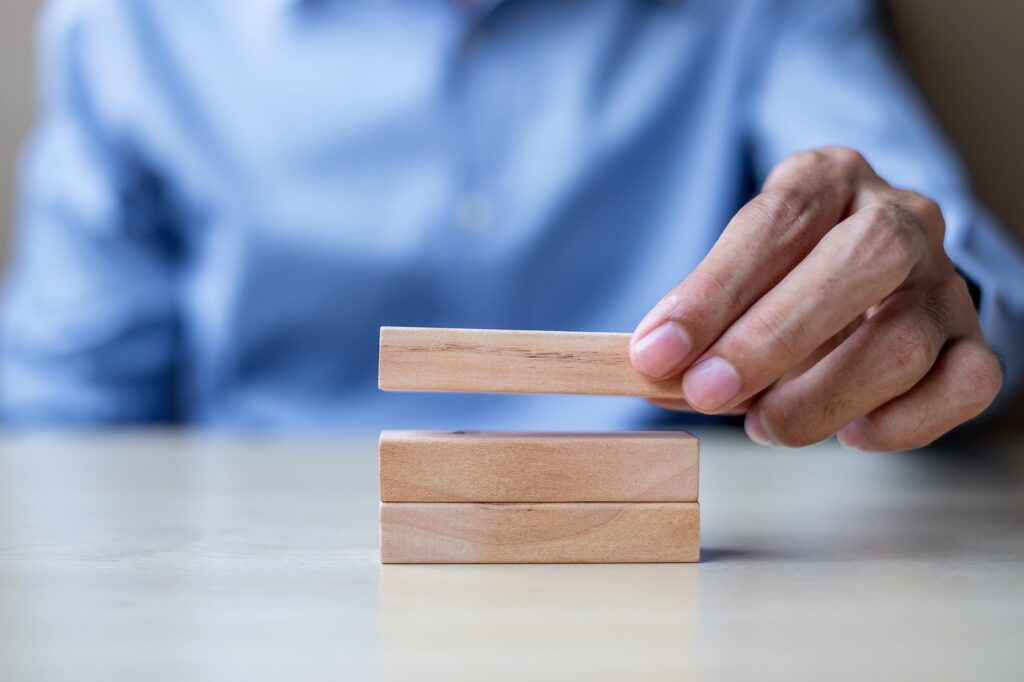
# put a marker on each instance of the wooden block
(496, 361)
(642, 466)
(559, 532)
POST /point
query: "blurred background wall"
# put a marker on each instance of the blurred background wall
(17, 19)
(968, 59)
(966, 56)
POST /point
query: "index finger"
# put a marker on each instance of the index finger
(802, 199)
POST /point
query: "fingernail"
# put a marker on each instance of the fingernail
(851, 436)
(710, 384)
(755, 430)
(662, 351)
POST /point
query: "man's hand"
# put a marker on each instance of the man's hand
(828, 305)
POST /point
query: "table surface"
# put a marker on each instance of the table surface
(176, 556)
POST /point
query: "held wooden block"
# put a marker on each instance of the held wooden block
(647, 466)
(560, 532)
(497, 361)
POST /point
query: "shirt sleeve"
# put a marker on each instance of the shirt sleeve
(831, 78)
(88, 321)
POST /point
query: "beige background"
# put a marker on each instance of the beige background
(967, 58)
(16, 97)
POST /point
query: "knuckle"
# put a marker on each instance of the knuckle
(984, 377)
(925, 210)
(959, 292)
(770, 334)
(787, 212)
(910, 348)
(931, 214)
(784, 203)
(890, 236)
(939, 312)
(840, 165)
(845, 156)
(703, 286)
(793, 165)
(806, 159)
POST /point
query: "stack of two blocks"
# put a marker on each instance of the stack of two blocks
(474, 497)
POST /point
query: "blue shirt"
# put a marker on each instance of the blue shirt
(224, 200)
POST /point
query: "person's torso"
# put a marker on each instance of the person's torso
(337, 166)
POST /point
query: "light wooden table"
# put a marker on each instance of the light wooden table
(174, 557)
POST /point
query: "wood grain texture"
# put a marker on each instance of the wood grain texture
(640, 466)
(499, 361)
(560, 532)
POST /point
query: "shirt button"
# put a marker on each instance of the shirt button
(474, 213)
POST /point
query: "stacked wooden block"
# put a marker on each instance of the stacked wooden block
(473, 497)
